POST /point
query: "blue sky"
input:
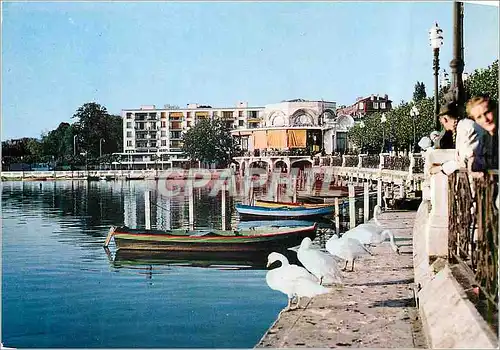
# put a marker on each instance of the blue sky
(57, 56)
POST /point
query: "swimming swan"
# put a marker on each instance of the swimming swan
(320, 264)
(346, 248)
(292, 280)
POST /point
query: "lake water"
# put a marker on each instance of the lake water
(62, 289)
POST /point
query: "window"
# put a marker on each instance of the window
(188, 123)
(240, 122)
(129, 133)
(361, 106)
(163, 133)
(240, 114)
(163, 143)
(382, 105)
(375, 105)
(129, 115)
(129, 125)
(129, 143)
(163, 124)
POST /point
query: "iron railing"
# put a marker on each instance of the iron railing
(371, 161)
(336, 161)
(397, 162)
(473, 232)
(351, 161)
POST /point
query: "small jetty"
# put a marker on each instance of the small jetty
(374, 309)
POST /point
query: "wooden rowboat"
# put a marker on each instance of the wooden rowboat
(256, 240)
(254, 211)
(271, 204)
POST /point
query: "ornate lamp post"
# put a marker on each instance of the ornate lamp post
(362, 127)
(436, 41)
(383, 119)
(457, 92)
(414, 113)
(445, 81)
(101, 140)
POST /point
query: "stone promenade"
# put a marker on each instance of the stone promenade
(374, 309)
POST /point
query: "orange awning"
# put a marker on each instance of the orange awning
(260, 139)
(296, 138)
(276, 139)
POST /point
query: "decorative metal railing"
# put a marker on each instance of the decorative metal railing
(336, 161)
(397, 162)
(351, 161)
(418, 167)
(473, 232)
(371, 161)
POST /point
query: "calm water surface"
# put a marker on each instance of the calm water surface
(60, 288)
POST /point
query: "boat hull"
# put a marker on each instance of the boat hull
(251, 211)
(128, 239)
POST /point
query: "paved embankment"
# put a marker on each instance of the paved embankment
(374, 309)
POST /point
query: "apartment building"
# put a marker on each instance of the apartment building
(365, 106)
(152, 137)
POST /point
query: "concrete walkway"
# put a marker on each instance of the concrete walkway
(374, 309)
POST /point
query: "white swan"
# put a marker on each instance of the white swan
(371, 233)
(292, 280)
(346, 248)
(320, 264)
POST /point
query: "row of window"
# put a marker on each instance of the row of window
(173, 125)
(376, 105)
(225, 114)
(163, 143)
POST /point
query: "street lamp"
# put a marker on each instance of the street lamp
(414, 113)
(445, 81)
(436, 41)
(362, 127)
(101, 140)
(383, 119)
(74, 145)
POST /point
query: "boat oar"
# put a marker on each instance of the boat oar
(110, 234)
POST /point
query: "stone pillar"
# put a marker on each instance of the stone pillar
(437, 227)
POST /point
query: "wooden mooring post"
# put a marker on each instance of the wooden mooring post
(379, 192)
(352, 206)
(337, 216)
(223, 193)
(191, 204)
(294, 189)
(366, 207)
(147, 209)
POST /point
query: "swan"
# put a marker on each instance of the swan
(371, 233)
(320, 264)
(346, 248)
(292, 280)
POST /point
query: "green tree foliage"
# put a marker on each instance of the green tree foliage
(401, 130)
(419, 93)
(94, 123)
(483, 81)
(210, 141)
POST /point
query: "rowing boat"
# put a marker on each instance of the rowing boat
(255, 211)
(258, 239)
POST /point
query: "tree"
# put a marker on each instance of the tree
(483, 82)
(94, 123)
(210, 141)
(419, 93)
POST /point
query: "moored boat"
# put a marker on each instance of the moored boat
(257, 239)
(255, 211)
(272, 204)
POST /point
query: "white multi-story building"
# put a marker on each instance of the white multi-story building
(152, 137)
